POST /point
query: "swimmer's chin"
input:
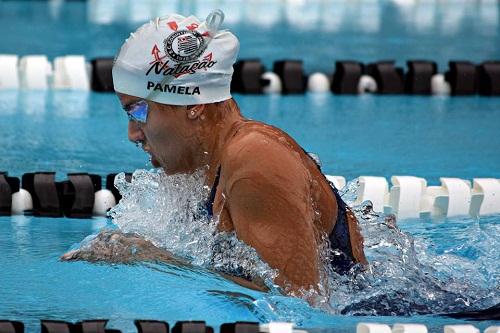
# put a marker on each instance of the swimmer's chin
(154, 162)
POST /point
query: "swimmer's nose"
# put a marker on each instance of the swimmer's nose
(135, 133)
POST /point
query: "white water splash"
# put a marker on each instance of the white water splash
(403, 278)
(170, 212)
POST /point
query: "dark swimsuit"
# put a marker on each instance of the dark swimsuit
(209, 205)
(340, 240)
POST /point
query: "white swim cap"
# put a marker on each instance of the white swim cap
(178, 60)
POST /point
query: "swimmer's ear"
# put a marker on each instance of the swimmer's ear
(195, 111)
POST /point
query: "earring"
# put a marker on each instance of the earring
(192, 113)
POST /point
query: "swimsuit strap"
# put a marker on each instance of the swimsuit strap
(210, 202)
(209, 206)
(340, 240)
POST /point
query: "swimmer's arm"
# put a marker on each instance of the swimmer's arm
(268, 202)
(254, 285)
(113, 246)
(126, 248)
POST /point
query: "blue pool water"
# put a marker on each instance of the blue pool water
(430, 137)
(35, 284)
(318, 32)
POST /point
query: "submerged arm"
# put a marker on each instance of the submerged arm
(118, 247)
(112, 246)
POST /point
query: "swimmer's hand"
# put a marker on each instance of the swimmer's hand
(118, 247)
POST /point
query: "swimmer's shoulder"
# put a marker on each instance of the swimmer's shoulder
(266, 139)
(264, 151)
(263, 136)
(261, 150)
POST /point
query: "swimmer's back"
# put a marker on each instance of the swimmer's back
(275, 141)
(277, 200)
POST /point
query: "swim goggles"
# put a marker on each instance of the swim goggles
(138, 111)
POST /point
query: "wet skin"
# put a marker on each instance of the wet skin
(270, 191)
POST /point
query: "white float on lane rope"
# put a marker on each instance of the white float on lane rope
(21, 201)
(375, 189)
(367, 84)
(70, 72)
(104, 200)
(318, 83)
(406, 196)
(409, 328)
(34, 71)
(492, 329)
(276, 327)
(460, 329)
(372, 328)
(439, 85)
(9, 75)
(338, 181)
(485, 197)
(274, 83)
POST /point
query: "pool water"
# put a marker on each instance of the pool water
(317, 31)
(36, 284)
(429, 137)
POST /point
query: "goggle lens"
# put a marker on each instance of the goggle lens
(138, 111)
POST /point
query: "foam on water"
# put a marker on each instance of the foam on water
(406, 275)
(170, 212)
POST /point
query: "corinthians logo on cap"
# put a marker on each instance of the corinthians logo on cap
(184, 46)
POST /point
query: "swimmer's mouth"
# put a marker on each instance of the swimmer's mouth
(152, 157)
(146, 149)
(143, 146)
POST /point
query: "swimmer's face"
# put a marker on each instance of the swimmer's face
(170, 135)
